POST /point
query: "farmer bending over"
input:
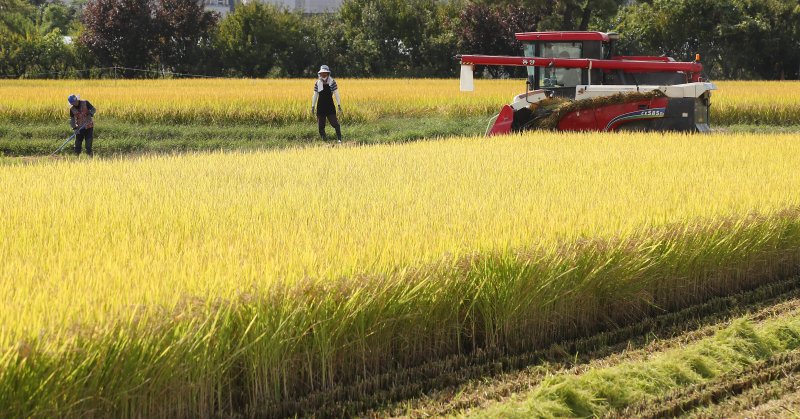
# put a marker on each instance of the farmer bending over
(324, 90)
(80, 119)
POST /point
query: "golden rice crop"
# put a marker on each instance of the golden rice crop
(193, 284)
(756, 102)
(281, 101)
(238, 100)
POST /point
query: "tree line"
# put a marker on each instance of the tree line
(744, 39)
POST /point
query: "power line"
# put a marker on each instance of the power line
(114, 68)
(167, 73)
(28, 75)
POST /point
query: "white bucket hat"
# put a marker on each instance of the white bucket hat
(324, 69)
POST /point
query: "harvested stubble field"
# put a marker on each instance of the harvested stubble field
(275, 283)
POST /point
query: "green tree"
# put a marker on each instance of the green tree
(441, 43)
(16, 27)
(560, 15)
(399, 38)
(35, 55)
(736, 38)
(121, 32)
(764, 42)
(185, 35)
(16, 18)
(260, 40)
(57, 16)
(328, 45)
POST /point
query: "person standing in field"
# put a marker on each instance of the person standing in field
(325, 89)
(81, 120)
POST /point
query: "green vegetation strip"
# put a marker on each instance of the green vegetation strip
(118, 137)
(765, 350)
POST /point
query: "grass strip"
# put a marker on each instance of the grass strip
(117, 137)
(766, 349)
(120, 137)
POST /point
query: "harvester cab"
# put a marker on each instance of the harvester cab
(576, 83)
(561, 82)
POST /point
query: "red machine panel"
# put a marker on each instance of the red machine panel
(502, 125)
(569, 36)
(611, 117)
(584, 120)
(692, 69)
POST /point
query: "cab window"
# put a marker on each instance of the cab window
(559, 77)
(530, 51)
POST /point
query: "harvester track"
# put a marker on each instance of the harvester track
(780, 397)
(463, 382)
(779, 376)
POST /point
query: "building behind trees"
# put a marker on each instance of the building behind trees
(223, 7)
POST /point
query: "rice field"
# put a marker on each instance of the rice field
(248, 101)
(190, 285)
(284, 101)
(330, 281)
(756, 102)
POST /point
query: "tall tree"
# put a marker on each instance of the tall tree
(401, 38)
(15, 23)
(258, 40)
(185, 31)
(490, 29)
(121, 32)
(57, 16)
(736, 38)
(16, 17)
(557, 15)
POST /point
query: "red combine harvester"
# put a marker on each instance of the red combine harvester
(577, 83)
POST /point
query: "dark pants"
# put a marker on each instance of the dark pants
(334, 123)
(84, 134)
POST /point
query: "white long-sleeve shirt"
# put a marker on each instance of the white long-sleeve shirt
(319, 85)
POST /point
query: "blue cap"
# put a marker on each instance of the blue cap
(72, 99)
